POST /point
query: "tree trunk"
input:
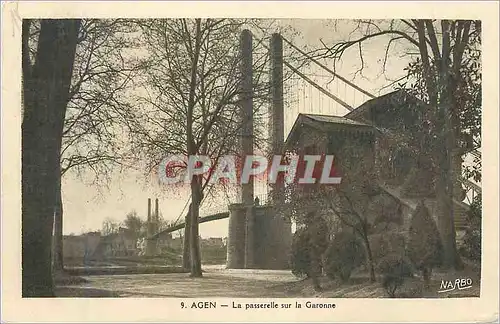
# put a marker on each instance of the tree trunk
(186, 250)
(426, 274)
(315, 271)
(45, 97)
(369, 257)
(194, 237)
(58, 262)
(192, 149)
(446, 177)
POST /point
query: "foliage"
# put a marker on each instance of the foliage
(317, 233)
(134, 223)
(308, 246)
(101, 118)
(345, 253)
(388, 241)
(472, 239)
(191, 95)
(300, 260)
(167, 83)
(394, 269)
(447, 80)
(109, 226)
(345, 205)
(385, 210)
(424, 243)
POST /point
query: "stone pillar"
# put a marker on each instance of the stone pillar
(249, 237)
(280, 231)
(247, 189)
(236, 237)
(284, 246)
(276, 122)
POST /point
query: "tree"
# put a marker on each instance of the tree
(109, 226)
(394, 269)
(345, 205)
(472, 238)
(193, 97)
(100, 116)
(134, 223)
(46, 84)
(445, 49)
(300, 260)
(98, 111)
(317, 235)
(425, 249)
(344, 254)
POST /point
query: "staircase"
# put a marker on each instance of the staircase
(460, 215)
(460, 208)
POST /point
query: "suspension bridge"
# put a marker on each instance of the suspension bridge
(310, 88)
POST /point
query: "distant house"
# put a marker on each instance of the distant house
(176, 243)
(80, 246)
(213, 242)
(123, 243)
(164, 242)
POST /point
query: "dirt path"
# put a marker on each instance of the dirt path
(215, 283)
(220, 282)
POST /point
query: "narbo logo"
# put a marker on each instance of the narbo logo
(450, 285)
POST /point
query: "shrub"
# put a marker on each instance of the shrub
(425, 249)
(394, 269)
(318, 234)
(391, 241)
(300, 262)
(345, 253)
(472, 238)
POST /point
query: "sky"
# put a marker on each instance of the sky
(86, 207)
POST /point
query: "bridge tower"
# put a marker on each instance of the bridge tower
(241, 217)
(280, 231)
(257, 236)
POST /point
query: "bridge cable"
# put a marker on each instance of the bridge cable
(311, 82)
(328, 69)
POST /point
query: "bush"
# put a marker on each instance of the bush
(425, 249)
(391, 241)
(345, 253)
(394, 269)
(300, 262)
(308, 246)
(472, 238)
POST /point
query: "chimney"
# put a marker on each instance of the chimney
(149, 210)
(156, 220)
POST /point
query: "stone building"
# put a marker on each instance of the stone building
(370, 154)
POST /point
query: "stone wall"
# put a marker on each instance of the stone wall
(271, 239)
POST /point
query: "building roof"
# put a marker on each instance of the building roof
(324, 123)
(334, 120)
(381, 104)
